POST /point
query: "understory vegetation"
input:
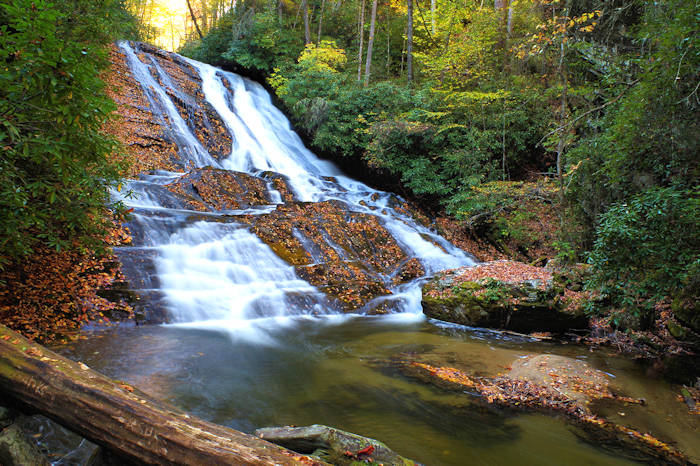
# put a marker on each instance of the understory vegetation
(485, 110)
(57, 164)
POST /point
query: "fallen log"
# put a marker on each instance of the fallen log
(120, 418)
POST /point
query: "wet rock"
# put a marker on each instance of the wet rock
(7, 417)
(280, 183)
(573, 378)
(409, 270)
(211, 189)
(333, 445)
(17, 450)
(183, 85)
(141, 130)
(350, 256)
(501, 294)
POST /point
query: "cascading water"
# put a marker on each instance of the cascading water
(209, 269)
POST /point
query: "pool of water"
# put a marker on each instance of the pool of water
(333, 372)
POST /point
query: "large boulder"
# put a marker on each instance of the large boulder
(505, 295)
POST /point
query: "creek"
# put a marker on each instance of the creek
(251, 341)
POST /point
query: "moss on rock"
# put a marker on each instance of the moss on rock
(501, 294)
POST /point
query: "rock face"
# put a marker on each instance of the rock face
(501, 294)
(333, 445)
(147, 136)
(348, 255)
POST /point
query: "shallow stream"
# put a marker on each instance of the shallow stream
(331, 371)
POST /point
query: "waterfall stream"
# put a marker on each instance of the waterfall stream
(266, 263)
(208, 269)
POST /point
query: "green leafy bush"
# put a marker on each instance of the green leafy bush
(645, 247)
(56, 166)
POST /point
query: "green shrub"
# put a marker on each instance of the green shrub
(645, 248)
(56, 166)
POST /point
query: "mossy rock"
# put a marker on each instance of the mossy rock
(687, 311)
(528, 305)
(333, 445)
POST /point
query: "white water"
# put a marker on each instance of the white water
(219, 275)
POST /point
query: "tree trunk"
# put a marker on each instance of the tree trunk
(510, 19)
(320, 22)
(409, 41)
(194, 20)
(307, 29)
(361, 31)
(120, 418)
(388, 44)
(370, 43)
(561, 145)
(562, 117)
(432, 16)
(205, 21)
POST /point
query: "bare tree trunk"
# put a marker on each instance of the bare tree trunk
(562, 116)
(370, 44)
(409, 41)
(307, 29)
(320, 22)
(119, 417)
(388, 44)
(561, 145)
(361, 31)
(194, 20)
(403, 54)
(203, 3)
(432, 16)
(510, 18)
(503, 141)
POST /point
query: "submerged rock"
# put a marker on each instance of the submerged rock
(17, 450)
(333, 445)
(573, 378)
(501, 294)
(554, 384)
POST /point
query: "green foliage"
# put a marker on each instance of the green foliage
(646, 247)
(655, 130)
(55, 167)
(326, 56)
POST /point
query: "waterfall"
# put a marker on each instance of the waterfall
(209, 269)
